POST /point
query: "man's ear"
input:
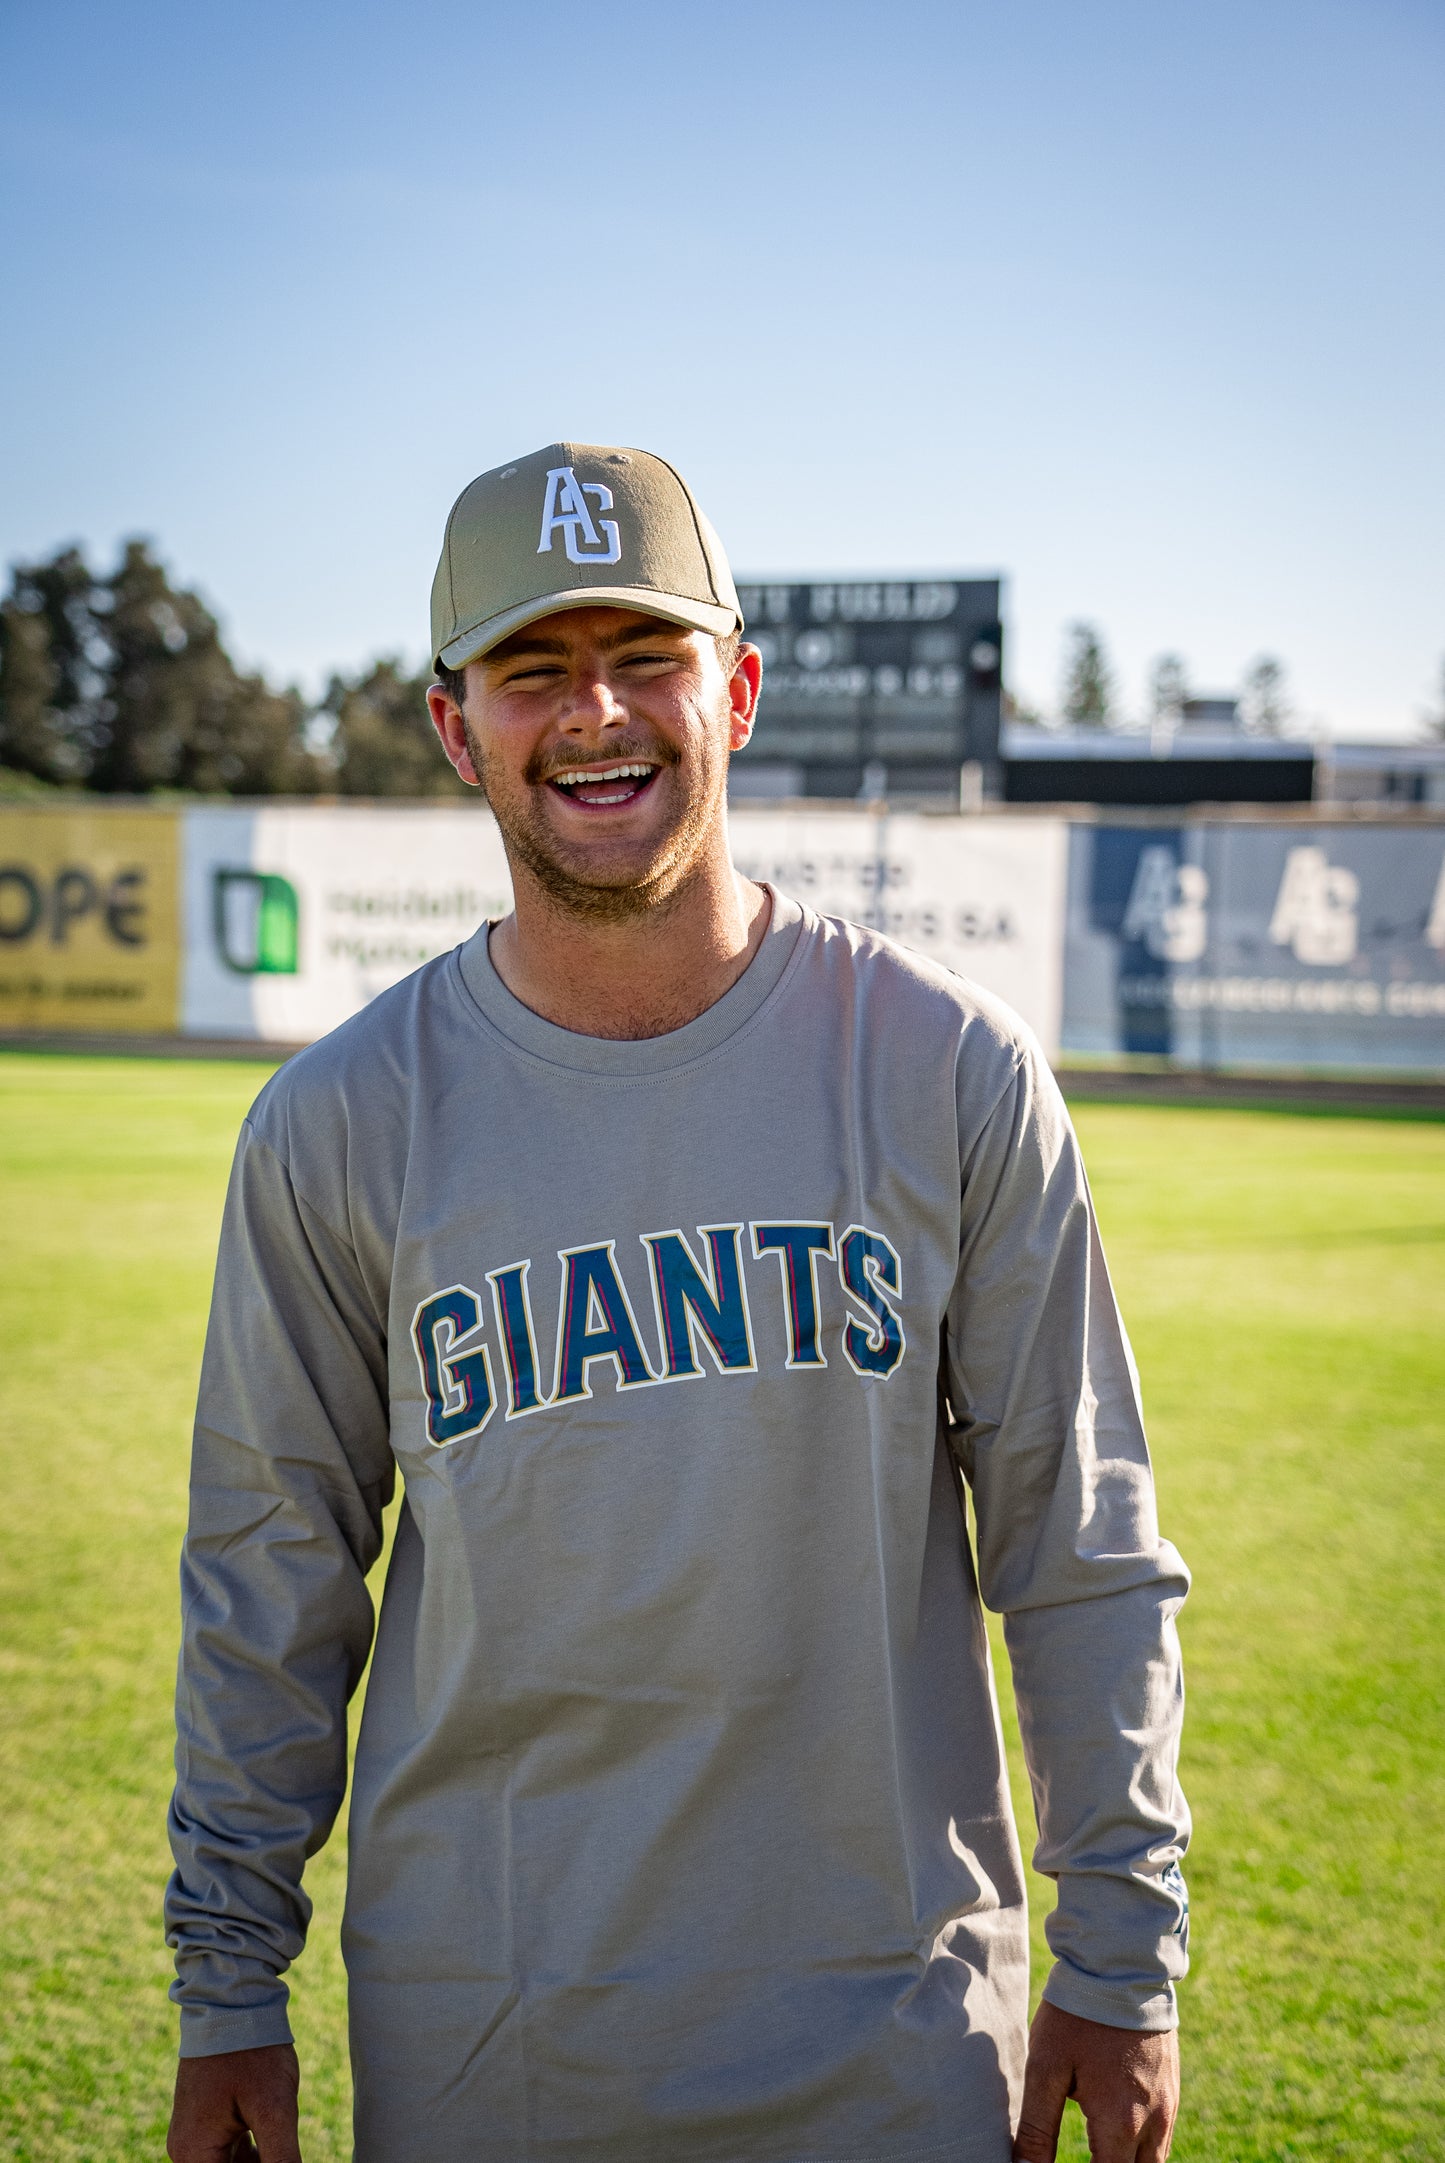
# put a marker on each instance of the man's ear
(446, 716)
(743, 688)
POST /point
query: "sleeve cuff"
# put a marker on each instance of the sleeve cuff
(1144, 2007)
(207, 2030)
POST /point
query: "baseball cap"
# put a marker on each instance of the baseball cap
(574, 526)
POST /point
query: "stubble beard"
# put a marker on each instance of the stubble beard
(590, 896)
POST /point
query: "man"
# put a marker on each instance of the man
(680, 1828)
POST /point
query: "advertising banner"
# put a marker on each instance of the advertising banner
(1237, 945)
(89, 919)
(983, 896)
(297, 915)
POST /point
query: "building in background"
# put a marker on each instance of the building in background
(1199, 760)
(892, 690)
(1202, 762)
(1380, 773)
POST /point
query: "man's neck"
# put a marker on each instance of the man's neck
(639, 976)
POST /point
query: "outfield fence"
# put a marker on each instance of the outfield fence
(1300, 942)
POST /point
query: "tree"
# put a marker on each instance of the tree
(50, 682)
(179, 714)
(252, 742)
(1264, 705)
(384, 743)
(1435, 719)
(1088, 680)
(1020, 713)
(122, 684)
(1168, 688)
(31, 741)
(169, 681)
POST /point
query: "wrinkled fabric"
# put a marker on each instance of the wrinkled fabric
(679, 1827)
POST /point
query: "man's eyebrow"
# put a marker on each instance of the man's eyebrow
(513, 649)
(655, 627)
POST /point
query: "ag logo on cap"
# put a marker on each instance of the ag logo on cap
(565, 505)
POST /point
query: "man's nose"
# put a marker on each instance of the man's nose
(593, 705)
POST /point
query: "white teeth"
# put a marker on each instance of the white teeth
(574, 779)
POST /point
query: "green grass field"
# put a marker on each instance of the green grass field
(1283, 1281)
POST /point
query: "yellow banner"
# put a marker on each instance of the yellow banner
(89, 918)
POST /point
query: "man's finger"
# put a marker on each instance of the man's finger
(218, 2098)
(1158, 2137)
(1113, 2144)
(1046, 2090)
(275, 2137)
(1119, 2130)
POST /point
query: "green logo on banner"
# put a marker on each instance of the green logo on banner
(257, 919)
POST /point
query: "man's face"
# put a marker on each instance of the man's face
(602, 738)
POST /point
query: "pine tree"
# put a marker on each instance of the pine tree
(1264, 706)
(1435, 720)
(1168, 688)
(1088, 680)
(1018, 712)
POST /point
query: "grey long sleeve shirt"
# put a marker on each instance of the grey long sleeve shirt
(680, 1825)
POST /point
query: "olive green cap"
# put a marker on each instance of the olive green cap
(576, 525)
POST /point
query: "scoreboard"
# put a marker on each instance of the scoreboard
(877, 686)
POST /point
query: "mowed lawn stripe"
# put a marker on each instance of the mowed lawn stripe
(1284, 1282)
(112, 1174)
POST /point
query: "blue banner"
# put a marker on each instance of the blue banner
(1243, 944)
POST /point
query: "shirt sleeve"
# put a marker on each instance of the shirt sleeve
(291, 1471)
(1049, 1432)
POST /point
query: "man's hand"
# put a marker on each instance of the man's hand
(1125, 2083)
(236, 2106)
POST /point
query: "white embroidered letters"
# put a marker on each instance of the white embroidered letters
(565, 509)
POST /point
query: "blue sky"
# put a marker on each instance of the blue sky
(1143, 304)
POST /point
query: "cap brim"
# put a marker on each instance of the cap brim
(471, 644)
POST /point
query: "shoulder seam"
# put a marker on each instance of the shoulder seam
(1014, 1072)
(248, 1127)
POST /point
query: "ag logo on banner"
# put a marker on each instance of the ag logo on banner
(1166, 906)
(1316, 913)
(1239, 943)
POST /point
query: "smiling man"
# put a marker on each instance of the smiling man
(680, 1827)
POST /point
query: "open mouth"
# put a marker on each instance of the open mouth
(605, 787)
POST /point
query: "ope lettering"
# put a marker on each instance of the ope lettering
(34, 904)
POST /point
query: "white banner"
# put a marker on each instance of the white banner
(295, 916)
(983, 896)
